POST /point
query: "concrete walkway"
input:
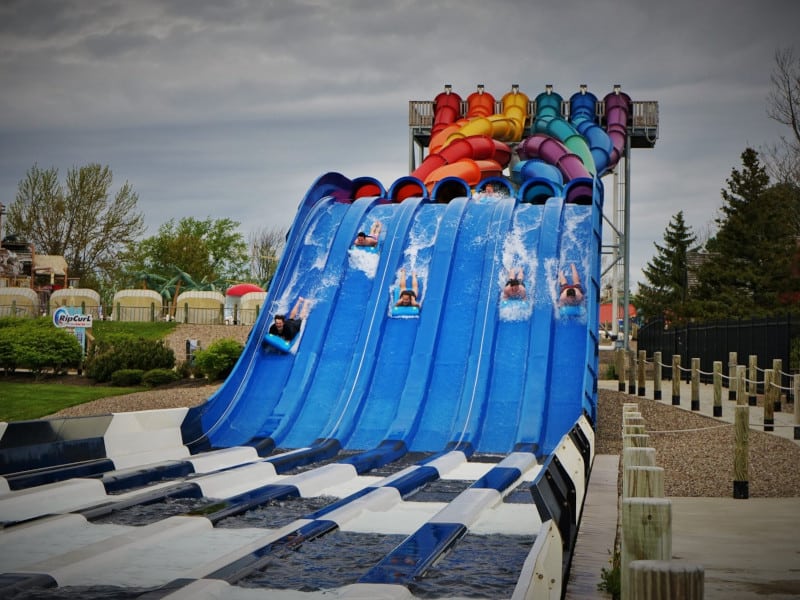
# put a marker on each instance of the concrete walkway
(749, 549)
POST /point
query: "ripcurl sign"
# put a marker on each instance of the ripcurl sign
(63, 318)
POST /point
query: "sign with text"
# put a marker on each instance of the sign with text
(62, 317)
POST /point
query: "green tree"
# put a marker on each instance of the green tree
(81, 222)
(667, 289)
(749, 265)
(209, 250)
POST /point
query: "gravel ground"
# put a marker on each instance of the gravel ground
(695, 451)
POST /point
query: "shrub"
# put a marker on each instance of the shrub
(37, 345)
(186, 369)
(127, 377)
(156, 377)
(125, 351)
(217, 361)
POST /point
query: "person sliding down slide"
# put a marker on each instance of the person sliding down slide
(571, 295)
(369, 241)
(283, 331)
(405, 299)
(515, 286)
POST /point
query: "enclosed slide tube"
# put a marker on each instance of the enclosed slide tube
(486, 153)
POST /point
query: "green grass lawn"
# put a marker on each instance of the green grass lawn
(148, 330)
(22, 401)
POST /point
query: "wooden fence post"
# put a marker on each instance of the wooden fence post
(769, 400)
(632, 373)
(666, 580)
(796, 396)
(732, 365)
(741, 431)
(752, 381)
(777, 367)
(646, 535)
(656, 375)
(641, 370)
(676, 379)
(620, 366)
(695, 384)
(717, 388)
(741, 380)
(635, 440)
(634, 456)
(643, 482)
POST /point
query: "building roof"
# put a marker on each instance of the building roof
(49, 263)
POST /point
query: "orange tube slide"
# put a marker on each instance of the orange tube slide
(507, 126)
(471, 171)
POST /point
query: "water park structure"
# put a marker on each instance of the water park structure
(440, 450)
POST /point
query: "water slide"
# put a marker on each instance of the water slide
(469, 375)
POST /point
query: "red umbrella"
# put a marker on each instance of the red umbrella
(240, 289)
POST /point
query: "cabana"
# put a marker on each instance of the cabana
(250, 306)
(200, 307)
(84, 298)
(137, 305)
(235, 295)
(18, 302)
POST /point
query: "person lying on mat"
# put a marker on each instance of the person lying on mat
(515, 286)
(408, 296)
(571, 294)
(371, 239)
(289, 328)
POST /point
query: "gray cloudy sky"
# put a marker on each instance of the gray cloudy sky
(232, 109)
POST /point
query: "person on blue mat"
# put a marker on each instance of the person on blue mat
(371, 240)
(289, 328)
(515, 286)
(408, 296)
(571, 293)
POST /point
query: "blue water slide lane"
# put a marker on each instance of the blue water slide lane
(320, 282)
(449, 360)
(256, 372)
(355, 333)
(323, 193)
(472, 402)
(413, 388)
(390, 363)
(274, 371)
(509, 356)
(370, 403)
(537, 382)
(593, 310)
(570, 340)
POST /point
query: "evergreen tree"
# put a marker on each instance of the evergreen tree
(666, 293)
(749, 265)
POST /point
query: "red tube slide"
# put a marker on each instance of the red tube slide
(446, 109)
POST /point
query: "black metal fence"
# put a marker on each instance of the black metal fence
(768, 339)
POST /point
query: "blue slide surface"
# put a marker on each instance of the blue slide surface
(469, 368)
